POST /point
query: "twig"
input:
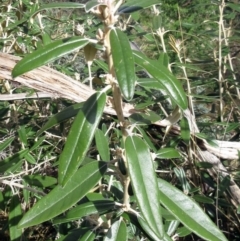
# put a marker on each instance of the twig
(12, 183)
(21, 96)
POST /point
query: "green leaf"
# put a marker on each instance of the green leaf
(79, 234)
(101, 64)
(172, 226)
(163, 59)
(39, 180)
(123, 62)
(118, 231)
(15, 214)
(157, 23)
(37, 143)
(66, 114)
(188, 212)
(185, 130)
(26, 194)
(2, 205)
(6, 143)
(46, 39)
(206, 138)
(146, 138)
(144, 182)
(180, 173)
(88, 236)
(92, 4)
(139, 119)
(150, 84)
(99, 207)
(234, 6)
(168, 81)
(150, 232)
(168, 153)
(48, 53)
(183, 232)
(29, 158)
(80, 136)
(62, 198)
(203, 199)
(205, 165)
(12, 161)
(102, 145)
(22, 135)
(135, 5)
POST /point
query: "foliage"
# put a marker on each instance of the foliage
(70, 171)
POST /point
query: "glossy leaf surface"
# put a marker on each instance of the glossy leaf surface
(88, 236)
(65, 114)
(80, 136)
(62, 198)
(150, 84)
(123, 62)
(188, 212)
(102, 145)
(39, 180)
(118, 231)
(85, 209)
(144, 182)
(48, 53)
(168, 81)
(150, 232)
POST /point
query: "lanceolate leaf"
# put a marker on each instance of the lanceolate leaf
(79, 234)
(118, 231)
(168, 153)
(185, 130)
(11, 161)
(134, 5)
(150, 232)
(6, 143)
(163, 59)
(101, 64)
(62, 198)
(168, 81)
(100, 207)
(47, 54)
(15, 214)
(123, 62)
(39, 180)
(188, 212)
(61, 116)
(144, 182)
(88, 236)
(102, 145)
(80, 136)
(150, 84)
